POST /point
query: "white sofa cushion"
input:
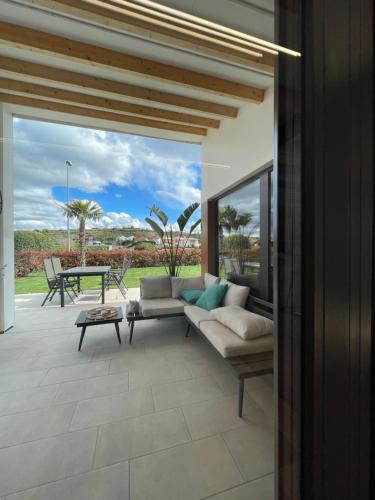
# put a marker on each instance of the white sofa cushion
(197, 314)
(246, 324)
(210, 279)
(180, 284)
(236, 295)
(159, 307)
(229, 344)
(156, 287)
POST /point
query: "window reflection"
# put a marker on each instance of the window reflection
(245, 239)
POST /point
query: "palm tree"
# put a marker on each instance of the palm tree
(83, 211)
(173, 249)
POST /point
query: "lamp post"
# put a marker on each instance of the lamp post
(68, 164)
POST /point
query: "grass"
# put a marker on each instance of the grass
(36, 282)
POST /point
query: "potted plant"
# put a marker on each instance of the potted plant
(173, 247)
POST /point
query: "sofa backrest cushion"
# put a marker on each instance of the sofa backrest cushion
(236, 295)
(210, 279)
(212, 297)
(246, 324)
(156, 287)
(180, 284)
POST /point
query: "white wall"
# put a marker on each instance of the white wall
(244, 145)
(6, 220)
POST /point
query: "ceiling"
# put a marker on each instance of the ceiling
(220, 69)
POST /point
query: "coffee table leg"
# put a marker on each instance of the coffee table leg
(81, 339)
(131, 332)
(118, 333)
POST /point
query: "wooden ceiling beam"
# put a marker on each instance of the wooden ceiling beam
(110, 14)
(33, 90)
(21, 36)
(99, 114)
(112, 86)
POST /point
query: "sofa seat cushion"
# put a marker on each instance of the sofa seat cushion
(197, 314)
(181, 284)
(236, 295)
(156, 287)
(246, 324)
(229, 344)
(161, 307)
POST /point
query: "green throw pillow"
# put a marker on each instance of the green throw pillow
(212, 297)
(191, 296)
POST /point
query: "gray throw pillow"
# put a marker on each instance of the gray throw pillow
(236, 295)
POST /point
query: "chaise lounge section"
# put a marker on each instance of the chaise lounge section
(239, 329)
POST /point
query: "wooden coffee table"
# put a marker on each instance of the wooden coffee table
(83, 322)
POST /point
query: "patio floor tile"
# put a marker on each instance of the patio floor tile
(260, 489)
(187, 472)
(27, 399)
(111, 483)
(139, 436)
(22, 380)
(67, 373)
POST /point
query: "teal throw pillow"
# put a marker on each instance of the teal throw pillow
(212, 297)
(191, 296)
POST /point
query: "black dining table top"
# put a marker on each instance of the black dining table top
(85, 271)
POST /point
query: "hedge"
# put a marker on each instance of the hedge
(28, 261)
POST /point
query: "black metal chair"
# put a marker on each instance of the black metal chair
(115, 277)
(53, 282)
(57, 267)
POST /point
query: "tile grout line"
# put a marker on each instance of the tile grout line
(233, 458)
(237, 486)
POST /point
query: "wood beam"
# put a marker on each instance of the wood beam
(148, 27)
(33, 90)
(42, 41)
(124, 89)
(99, 114)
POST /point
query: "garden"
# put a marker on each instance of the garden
(30, 276)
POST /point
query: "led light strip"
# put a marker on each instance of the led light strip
(182, 22)
(218, 27)
(164, 24)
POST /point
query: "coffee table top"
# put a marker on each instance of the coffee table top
(83, 320)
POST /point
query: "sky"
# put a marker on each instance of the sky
(125, 174)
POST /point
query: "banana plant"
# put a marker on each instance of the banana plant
(174, 249)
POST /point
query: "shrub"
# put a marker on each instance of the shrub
(28, 261)
(32, 240)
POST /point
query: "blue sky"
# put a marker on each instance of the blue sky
(123, 173)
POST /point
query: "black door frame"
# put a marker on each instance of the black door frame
(324, 177)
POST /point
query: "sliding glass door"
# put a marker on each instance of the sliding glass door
(245, 234)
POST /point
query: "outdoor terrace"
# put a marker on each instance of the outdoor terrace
(154, 420)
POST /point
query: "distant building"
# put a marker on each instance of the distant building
(123, 239)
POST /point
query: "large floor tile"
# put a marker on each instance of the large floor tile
(66, 359)
(139, 436)
(37, 424)
(252, 447)
(209, 364)
(111, 408)
(76, 372)
(219, 415)
(27, 399)
(176, 394)
(22, 380)
(91, 388)
(260, 489)
(17, 365)
(261, 390)
(32, 464)
(187, 472)
(111, 483)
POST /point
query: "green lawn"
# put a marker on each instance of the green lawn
(36, 282)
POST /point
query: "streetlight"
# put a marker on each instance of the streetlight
(68, 164)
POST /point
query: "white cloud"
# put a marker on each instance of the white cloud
(100, 159)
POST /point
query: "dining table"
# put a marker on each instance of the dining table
(80, 272)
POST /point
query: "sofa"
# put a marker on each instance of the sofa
(241, 333)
